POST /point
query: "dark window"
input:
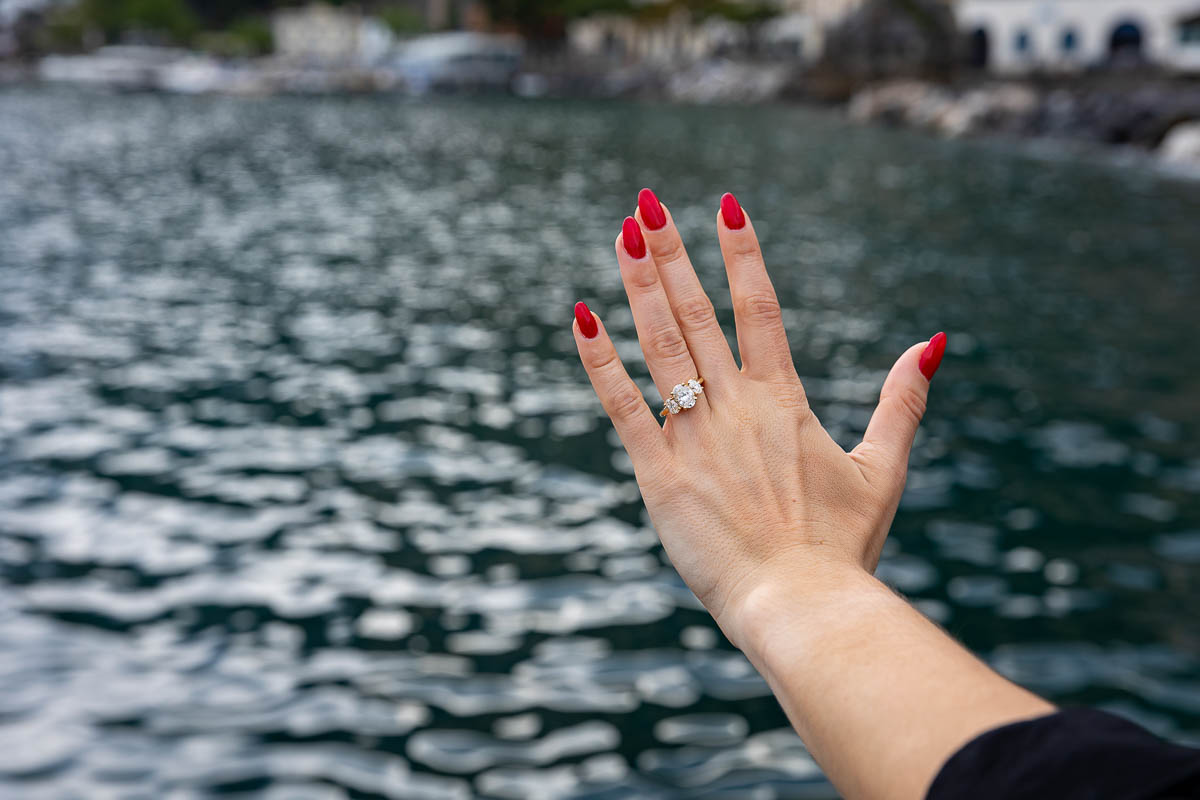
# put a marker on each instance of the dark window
(978, 47)
(1189, 31)
(1021, 42)
(1126, 42)
(1070, 40)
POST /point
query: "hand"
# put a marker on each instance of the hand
(747, 487)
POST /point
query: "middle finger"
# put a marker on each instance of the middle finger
(689, 302)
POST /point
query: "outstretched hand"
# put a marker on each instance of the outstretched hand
(776, 528)
(746, 488)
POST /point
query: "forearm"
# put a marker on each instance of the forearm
(880, 695)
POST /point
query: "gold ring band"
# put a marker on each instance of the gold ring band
(683, 396)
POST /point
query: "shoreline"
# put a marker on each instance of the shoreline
(1149, 113)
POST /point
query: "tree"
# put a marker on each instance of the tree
(886, 38)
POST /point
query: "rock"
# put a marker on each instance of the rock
(925, 105)
(1182, 144)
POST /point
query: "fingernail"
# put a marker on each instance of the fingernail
(731, 211)
(631, 237)
(931, 357)
(652, 210)
(587, 322)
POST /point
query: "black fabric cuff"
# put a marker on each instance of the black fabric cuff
(1074, 754)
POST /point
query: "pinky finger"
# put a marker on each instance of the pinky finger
(620, 396)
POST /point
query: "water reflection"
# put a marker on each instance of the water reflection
(303, 493)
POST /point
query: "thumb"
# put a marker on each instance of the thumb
(883, 453)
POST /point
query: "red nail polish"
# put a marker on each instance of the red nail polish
(631, 237)
(652, 210)
(931, 356)
(731, 211)
(587, 322)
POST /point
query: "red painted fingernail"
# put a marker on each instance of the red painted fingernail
(587, 322)
(652, 210)
(631, 237)
(931, 357)
(731, 211)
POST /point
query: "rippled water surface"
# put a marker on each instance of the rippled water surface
(303, 493)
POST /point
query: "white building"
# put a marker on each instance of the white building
(323, 35)
(673, 40)
(1015, 36)
(797, 32)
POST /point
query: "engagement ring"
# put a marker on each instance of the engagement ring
(683, 396)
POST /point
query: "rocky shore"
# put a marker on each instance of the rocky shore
(1158, 115)
(1149, 112)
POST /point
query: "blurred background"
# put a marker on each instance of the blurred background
(304, 494)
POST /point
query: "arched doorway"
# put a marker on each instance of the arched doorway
(978, 49)
(1125, 45)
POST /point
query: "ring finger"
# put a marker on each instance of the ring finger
(662, 341)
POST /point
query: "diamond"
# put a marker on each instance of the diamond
(685, 396)
(695, 386)
(672, 405)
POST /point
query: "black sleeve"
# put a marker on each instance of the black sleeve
(1078, 754)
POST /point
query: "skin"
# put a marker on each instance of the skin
(778, 530)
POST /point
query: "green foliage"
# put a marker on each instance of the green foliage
(244, 39)
(537, 16)
(170, 18)
(255, 34)
(69, 27)
(65, 30)
(541, 18)
(402, 20)
(219, 15)
(746, 13)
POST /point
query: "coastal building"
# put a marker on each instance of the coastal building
(1018, 36)
(797, 32)
(324, 35)
(676, 39)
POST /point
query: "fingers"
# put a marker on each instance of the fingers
(667, 354)
(883, 453)
(689, 304)
(620, 396)
(762, 341)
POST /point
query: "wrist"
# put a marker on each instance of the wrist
(787, 601)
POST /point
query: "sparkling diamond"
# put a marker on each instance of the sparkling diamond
(685, 396)
(672, 405)
(695, 386)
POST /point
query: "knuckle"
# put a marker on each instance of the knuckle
(793, 398)
(695, 312)
(625, 403)
(671, 252)
(642, 277)
(603, 361)
(760, 307)
(909, 400)
(745, 250)
(666, 342)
